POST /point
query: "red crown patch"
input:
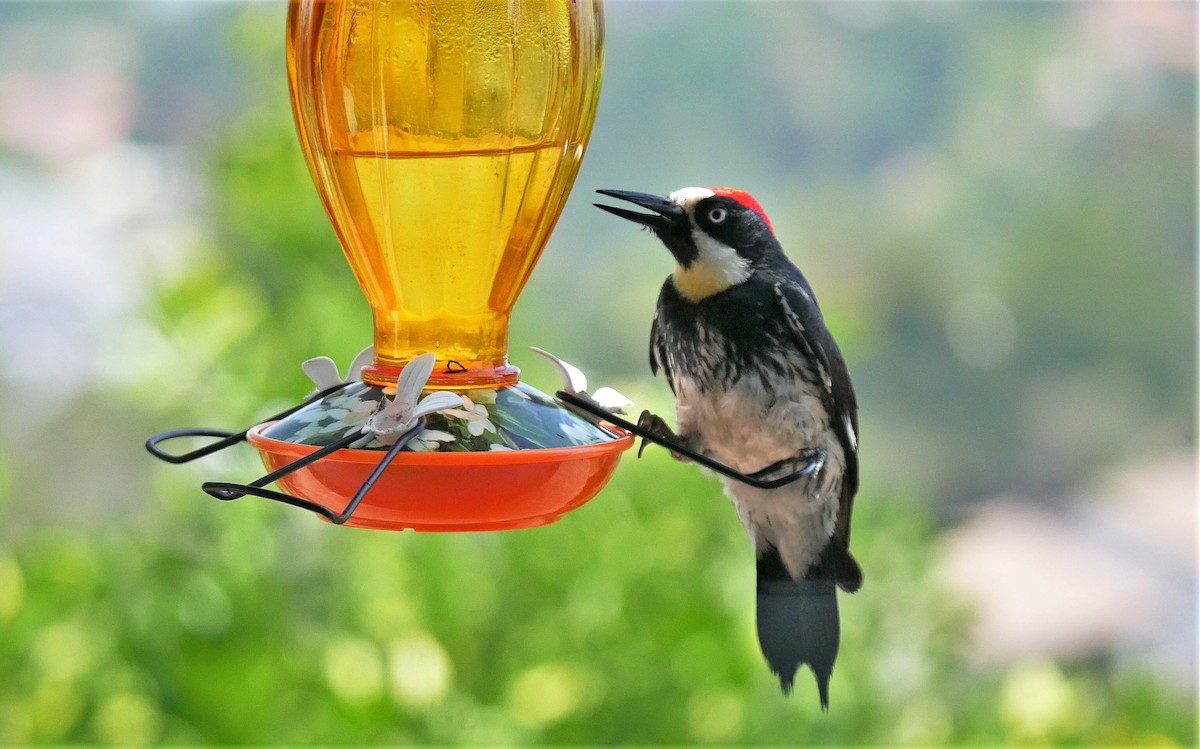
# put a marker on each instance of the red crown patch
(745, 199)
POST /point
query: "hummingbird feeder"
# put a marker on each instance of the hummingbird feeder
(443, 138)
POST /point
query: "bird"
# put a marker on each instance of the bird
(761, 386)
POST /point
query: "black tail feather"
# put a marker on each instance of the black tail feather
(798, 619)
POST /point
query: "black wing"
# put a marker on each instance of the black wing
(658, 353)
(803, 320)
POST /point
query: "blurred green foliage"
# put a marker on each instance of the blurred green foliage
(629, 621)
(907, 165)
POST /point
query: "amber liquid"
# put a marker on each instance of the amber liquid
(444, 137)
(440, 243)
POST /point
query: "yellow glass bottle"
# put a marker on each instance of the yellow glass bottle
(444, 137)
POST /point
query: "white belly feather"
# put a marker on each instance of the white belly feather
(744, 429)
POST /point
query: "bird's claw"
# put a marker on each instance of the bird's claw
(656, 425)
(810, 461)
(815, 459)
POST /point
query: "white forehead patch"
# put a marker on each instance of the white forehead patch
(687, 197)
(717, 266)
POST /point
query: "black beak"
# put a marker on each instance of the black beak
(667, 217)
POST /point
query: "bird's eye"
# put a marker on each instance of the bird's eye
(717, 215)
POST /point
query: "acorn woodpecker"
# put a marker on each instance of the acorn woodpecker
(760, 385)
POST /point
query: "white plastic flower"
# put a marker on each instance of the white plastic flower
(324, 372)
(360, 409)
(399, 414)
(475, 415)
(574, 381)
(428, 440)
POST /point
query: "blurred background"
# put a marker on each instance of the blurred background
(996, 203)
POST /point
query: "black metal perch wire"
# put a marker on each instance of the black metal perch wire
(814, 456)
(227, 491)
(229, 438)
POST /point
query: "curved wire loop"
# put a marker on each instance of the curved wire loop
(757, 479)
(228, 438)
(228, 491)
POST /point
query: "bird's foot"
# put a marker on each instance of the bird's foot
(807, 462)
(657, 426)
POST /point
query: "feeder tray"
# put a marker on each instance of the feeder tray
(466, 491)
(506, 458)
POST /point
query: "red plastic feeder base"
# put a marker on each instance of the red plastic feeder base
(467, 491)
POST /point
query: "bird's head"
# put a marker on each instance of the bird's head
(718, 235)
